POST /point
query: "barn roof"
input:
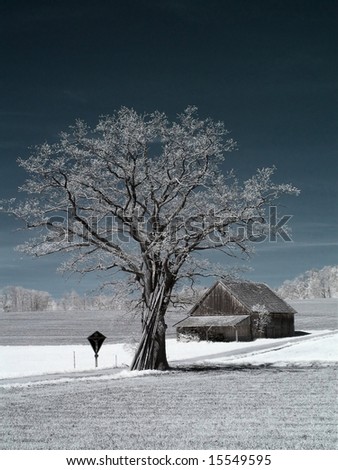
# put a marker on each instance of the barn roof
(251, 294)
(207, 321)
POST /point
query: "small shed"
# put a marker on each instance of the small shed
(251, 309)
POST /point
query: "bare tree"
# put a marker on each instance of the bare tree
(144, 197)
(262, 320)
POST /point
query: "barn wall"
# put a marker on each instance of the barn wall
(281, 325)
(219, 302)
(216, 333)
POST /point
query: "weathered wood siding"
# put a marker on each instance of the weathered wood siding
(216, 333)
(219, 302)
(222, 301)
(281, 325)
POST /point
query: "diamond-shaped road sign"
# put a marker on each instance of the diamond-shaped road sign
(96, 341)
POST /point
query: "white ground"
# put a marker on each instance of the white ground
(23, 361)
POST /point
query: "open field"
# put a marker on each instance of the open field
(73, 327)
(316, 314)
(249, 408)
(59, 327)
(199, 404)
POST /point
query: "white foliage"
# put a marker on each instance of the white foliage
(260, 308)
(142, 197)
(138, 194)
(19, 299)
(313, 284)
(263, 319)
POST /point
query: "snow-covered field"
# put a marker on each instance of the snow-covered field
(281, 388)
(21, 361)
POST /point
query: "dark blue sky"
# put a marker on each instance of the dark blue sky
(267, 68)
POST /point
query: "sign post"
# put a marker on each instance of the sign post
(96, 341)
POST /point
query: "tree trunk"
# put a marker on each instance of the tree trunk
(151, 352)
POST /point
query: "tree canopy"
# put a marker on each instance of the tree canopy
(142, 196)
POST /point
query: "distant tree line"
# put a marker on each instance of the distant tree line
(19, 299)
(313, 284)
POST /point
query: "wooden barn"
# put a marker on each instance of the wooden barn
(238, 311)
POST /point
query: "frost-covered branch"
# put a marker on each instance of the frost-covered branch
(142, 196)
